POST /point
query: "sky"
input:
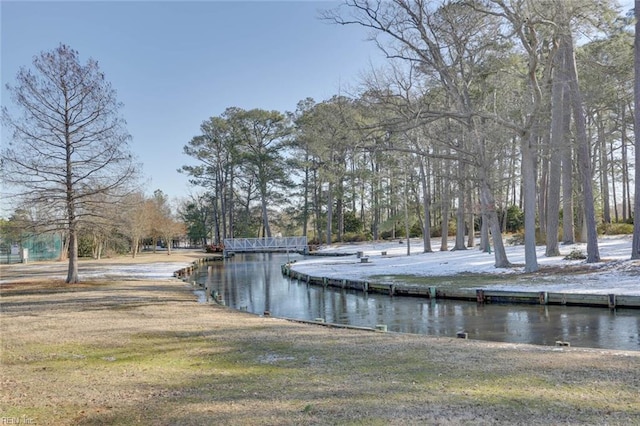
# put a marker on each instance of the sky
(175, 64)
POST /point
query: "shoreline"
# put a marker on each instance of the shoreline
(480, 294)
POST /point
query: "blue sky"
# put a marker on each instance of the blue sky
(175, 64)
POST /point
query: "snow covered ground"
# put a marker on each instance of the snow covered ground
(90, 270)
(616, 274)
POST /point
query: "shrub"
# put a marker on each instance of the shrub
(575, 254)
(416, 230)
(514, 220)
(214, 248)
(516, 239)
(618, 228)
(354, 237)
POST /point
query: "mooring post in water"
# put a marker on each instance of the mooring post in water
(612, 301)
(544, 297)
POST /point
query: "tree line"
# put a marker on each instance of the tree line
(485, 108)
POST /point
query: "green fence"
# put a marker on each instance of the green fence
(39, 247)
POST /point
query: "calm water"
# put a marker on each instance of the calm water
(254, 282)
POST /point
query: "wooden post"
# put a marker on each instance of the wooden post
(612, 301)
(544, 297)
(432, 292)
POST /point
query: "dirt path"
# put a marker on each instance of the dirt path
(115, 351)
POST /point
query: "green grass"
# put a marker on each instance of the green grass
(453, 281)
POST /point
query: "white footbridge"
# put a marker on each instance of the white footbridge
(265, 245)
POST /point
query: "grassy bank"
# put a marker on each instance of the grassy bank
(141, 352)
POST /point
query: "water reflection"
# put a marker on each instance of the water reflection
(254, 282)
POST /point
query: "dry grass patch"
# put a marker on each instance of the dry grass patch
(131, 352)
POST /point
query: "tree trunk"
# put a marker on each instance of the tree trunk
(64, 253)
(426, 204)
(604, 172)
(568, 229)
(460, 225)
(472, 220)
(485, 246)
(340, 210)
(72, 271)
(406, 214)
(265, 215)
(635, 246)
(168, 240)
(329, 212)
(529, 183)
(488, 205)
(444, 224)
(134, 246)
(375, 189)
(584, 164)
(558, 139)
(305, 203)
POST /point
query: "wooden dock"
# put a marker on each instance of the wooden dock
(479, 295)
(184, 273)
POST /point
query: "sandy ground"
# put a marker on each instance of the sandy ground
(144, 351)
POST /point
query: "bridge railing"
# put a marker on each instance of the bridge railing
(267, 244)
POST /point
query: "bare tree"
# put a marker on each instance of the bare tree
(163, 226)
(584, 165)
(69, 143)
(136, 219)
(446, 40)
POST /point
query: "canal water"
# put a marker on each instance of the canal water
(254, 283)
